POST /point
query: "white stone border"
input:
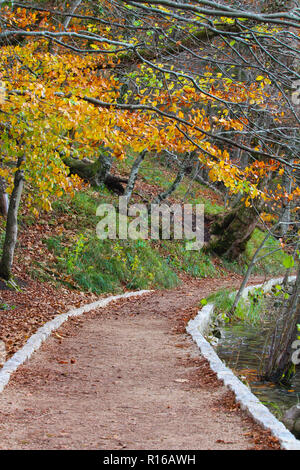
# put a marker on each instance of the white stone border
(36, 340)
(248, 401)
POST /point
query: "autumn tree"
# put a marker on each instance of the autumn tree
(88, 82)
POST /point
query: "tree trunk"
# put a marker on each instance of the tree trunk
(286, 204)
(12, 224)
(3, 198)
(133, 174)
(280, 367)
(167, 193)
(97, 172)
(72, 10)
(231, 231)
(247, 275)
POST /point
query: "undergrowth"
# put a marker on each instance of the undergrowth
(110, 265)
(84, 261)
(249, 310)
(271, 264)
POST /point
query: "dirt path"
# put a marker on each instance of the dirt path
(125, 377)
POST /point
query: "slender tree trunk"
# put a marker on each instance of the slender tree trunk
(247, 275)
(134, 174)
(71, 11)
(66, 23)
(165, 194)
(3, 198)
(12, 223)
(280, 364)
(286, 204)
(289, 270)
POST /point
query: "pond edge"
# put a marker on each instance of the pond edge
(247, 400)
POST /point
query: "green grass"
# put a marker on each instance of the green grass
(277, 410)
(223, 300)
(195, 263)
(149, 172)
(271, 264)
(111, 265)
(251, 310)
(82, 207)
(190, 194)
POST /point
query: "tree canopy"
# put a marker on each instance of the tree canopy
(218, 79)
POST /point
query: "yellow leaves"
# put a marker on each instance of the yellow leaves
(188, 89)
(265, 80)
(267, 217)
(229, 123)
(92, 28)
(254, 192)
(46, 205)
(226, 20)
(64, 124)
(119, 153)
(5, 173)
(34, 211)
(213, 175)
(237, 125)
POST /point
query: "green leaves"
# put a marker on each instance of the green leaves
(6, 3)
(288, 262)
(279, 291)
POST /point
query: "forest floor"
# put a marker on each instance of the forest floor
(127, 376)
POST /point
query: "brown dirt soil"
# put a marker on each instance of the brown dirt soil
(126, 377)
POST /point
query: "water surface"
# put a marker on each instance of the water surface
(241, 349)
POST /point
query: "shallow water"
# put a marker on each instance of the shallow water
(241, 349)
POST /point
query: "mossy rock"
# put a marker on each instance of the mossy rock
(291, 420)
